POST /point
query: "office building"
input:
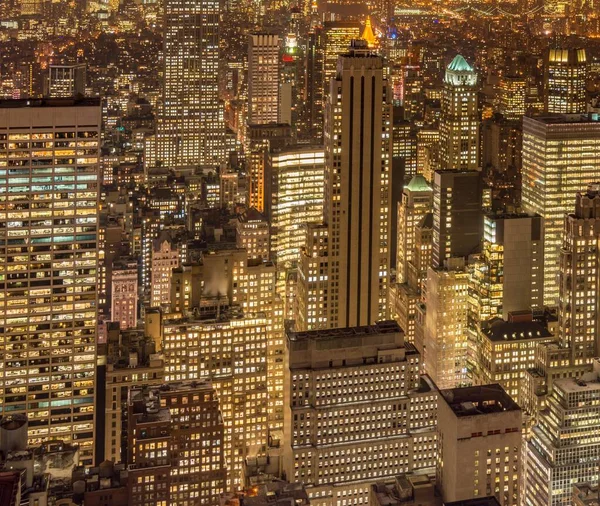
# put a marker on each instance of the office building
(49, 265)
(565, 76)
(263, 78)
(445, 337)
(177, 445)
(358, 148)
(66, 81)
(579, 287)
(337, 38)
(294, 190)
(564, 448)
(457, 214)
(506, 349)
(417, 201)
(479, 451)
(559, 160)
(356, 413)
(513, 90)
(459, 122)
(190, 127)
(253, 233)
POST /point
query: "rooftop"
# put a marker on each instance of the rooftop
(50, 102)
(383, 327)
(500, 330)
(480, 501)
(418, 184)
(561, 119)
(479, 400)
(459, 64)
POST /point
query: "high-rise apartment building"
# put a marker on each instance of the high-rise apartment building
(559, 160)
(564, 448)
(294, 197)
(479, 445)
(66, 81)
(357, 411)
(457, 214)
(459, 122)
(49, 160)
(417, 201)
(190, 128)
(165, 258)
(579, 286)
(358, 149)
(124, 293)
(565, 76)
(263, 78)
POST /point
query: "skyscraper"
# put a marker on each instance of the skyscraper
(381, 422)
(559, 159)
(459, 122)
(565, 75)
(512, 97)
(457, 214)
(263, 78)
(479, 445)
(358, 149)
(190, 128)
(49, 159)
(67, 81)
(579, 285)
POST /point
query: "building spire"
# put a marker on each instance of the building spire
(368, 34)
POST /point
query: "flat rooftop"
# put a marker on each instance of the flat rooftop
(557, 119)
(382, 327)
(479, 400)
(503, 331)
(50, 102)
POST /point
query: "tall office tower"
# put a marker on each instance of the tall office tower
(428, 153)
(564, 448)
(358, 149)
(263, 78)
(479, 444)
(177, 451)
(509, 274)
(565, 76)
(559, 159)
(190, 128)
(404, 146)
(417, 201)
(512, 97)
(315, 101)
(412, 96)
(339, 441)
(338, 36)
(49, 265)
(124, 293)
(506, 350)
(230, 348)
(311, 310)
(253, 233)
(445, 337)
(579, 286)
(66, 81)
(260, 139)
(294, 190)
(457, 214)
(459, 122)
(165, 258)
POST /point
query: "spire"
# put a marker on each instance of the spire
(368, 34)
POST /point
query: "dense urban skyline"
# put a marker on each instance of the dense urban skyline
(309, 252)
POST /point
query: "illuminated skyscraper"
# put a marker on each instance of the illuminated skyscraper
(512, 97)
(358, 149)
(565, 75)
(124, 297)
(190, 128)
(357, 411)
(559, 159)
(459, 123)
(67, 80)
(294, 189)
(579, 286)
(48, 266)
(263, 78)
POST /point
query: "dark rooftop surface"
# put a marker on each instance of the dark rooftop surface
(50, 102)
(479, 400)
(513, 331)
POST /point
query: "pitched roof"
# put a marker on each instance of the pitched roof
(460, 64)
